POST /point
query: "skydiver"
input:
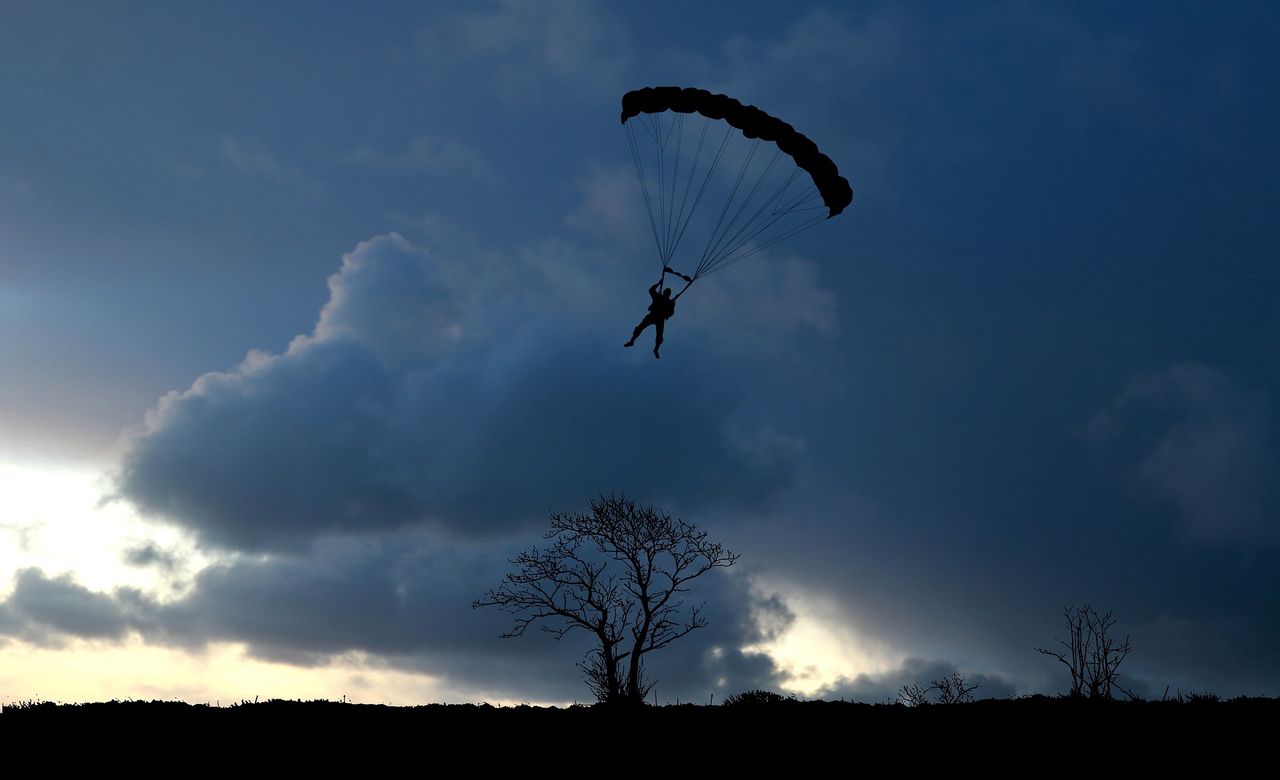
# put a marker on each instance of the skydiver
(660, 310)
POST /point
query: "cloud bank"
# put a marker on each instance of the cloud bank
(361, 488)
(423, 398)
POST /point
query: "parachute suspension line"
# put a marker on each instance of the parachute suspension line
(680, 220)
(667, 219)
(659, 150)
(778, 209)
(702, 264)
(648, 124)
(662, 141)
(671, 202)
(730, 240)
(777, 205)
(815, 220)
(644, 187)
(718, 253)
(754, 224)
(765, 225)
(667, 223)
(711, 169)
(809, 194)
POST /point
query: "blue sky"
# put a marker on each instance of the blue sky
(331, 302)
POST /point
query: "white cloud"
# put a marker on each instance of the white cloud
(252, 158)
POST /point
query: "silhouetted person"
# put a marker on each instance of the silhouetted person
(660, 310)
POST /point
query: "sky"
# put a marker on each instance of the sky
(310, 314)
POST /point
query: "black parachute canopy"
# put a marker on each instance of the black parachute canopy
(754, 123)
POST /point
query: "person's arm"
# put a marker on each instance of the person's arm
(688, 284)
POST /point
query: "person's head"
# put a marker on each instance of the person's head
(667, 292)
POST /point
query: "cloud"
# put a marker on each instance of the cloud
(527, 49)
(609, 210)
(43, 610)
(404, 600)
(151, 554)
(1201, 441)
(252, 158)
(428, 396)
(23, 533)
(430, 154)
(884, 686)
(828, 47)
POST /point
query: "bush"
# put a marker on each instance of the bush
(758, 698)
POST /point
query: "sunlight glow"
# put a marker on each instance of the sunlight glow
(53, 516)
(821, 645)
(96, 671)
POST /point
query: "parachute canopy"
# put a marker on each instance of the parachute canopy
(789, 191)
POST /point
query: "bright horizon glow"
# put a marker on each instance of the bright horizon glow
(820, 647)
(53, 516)
(223, 674)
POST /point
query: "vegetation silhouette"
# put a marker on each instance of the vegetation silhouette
(761, 728)
(1091, 653)
(759, 698)
(953, 688)
(619, 573)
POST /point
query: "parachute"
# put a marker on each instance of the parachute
(790, 187)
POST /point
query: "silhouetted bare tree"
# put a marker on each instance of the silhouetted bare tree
(1091, 653)
(619, 573)
(914, 695)
(951, 689)
(954, 689)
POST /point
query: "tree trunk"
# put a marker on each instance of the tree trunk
(614, 685)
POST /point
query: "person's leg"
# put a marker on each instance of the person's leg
(644, 323)
(658, 327)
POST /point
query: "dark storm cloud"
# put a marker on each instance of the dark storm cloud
(43, 609)
(393, 594)
(713, 660)
(1202, 442)
(884, 686)
(151, 554)
(405, 600)
(427, 397)
(1048, 203)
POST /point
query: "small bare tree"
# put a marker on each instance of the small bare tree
(619, 573)
(1091, 653)
(954, 689)
(914, 695)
